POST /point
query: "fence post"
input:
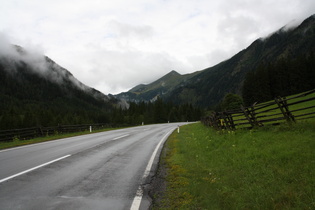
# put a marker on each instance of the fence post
(40, 131)
(228, 120)
(250, 115)
(216, 121)
(59, 129)
(283, 106)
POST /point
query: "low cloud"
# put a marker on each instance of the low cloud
(32, 56)
(124, 30)
(125, 69)
(13, 55)
(115, 45)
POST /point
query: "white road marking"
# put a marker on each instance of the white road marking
(139, 194)
(32, 169)
(119, 137)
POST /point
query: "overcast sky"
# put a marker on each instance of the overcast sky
(113, 45)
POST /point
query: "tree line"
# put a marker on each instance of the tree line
(155, 112)
(19, 115)
(29, 100)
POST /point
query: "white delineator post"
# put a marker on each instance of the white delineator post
(90, 129)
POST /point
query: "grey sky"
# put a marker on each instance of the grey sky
(114, 45)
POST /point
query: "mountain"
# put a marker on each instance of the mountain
(209, 86)
(35, 91)
(160, 87)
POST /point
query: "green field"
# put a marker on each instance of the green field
(267, 168)
(264, 113)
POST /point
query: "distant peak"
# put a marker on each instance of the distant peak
(174, 72)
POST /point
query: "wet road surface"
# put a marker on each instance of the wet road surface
(95, 171)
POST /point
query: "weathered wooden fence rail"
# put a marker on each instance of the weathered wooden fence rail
(289, 109)
(28, 133)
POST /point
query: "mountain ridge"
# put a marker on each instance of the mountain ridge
(209, 86)
(160, 87)
(36, 91)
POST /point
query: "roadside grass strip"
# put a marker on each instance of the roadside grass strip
(17, 142)
(267, 168)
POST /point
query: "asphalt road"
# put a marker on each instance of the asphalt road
(105, 170)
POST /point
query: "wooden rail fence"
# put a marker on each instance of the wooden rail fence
(29, 133)
(289, 109)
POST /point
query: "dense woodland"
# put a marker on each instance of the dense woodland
(156, 112)
(282, 78)
(28, 99)
(53, 114)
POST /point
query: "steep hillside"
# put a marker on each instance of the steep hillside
(36, 91)
(208, 87)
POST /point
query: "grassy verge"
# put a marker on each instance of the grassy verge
(292, 108)
(269, 168)
(17, 142)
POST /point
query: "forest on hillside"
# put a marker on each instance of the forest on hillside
(25, 114)
(28, 99)
(281, 78)
(156, 112)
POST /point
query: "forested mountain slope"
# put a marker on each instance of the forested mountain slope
(208, 87)
(35, 91)
(158, 88)
(212, 84)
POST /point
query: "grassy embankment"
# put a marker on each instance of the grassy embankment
(17, 142)
(268, 168)
(292, 108)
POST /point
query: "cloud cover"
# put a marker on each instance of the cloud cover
(115, 45)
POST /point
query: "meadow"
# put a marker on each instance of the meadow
(266, 168)
(301, 107)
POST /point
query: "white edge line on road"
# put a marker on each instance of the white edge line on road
(137, 199)
(32, 169)
(119, 137)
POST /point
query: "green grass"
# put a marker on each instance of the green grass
(278, 111)
(17, 142)
(269, 168)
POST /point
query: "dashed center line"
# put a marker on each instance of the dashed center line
(120, 137)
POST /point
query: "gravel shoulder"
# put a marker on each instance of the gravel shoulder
(158, 183)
